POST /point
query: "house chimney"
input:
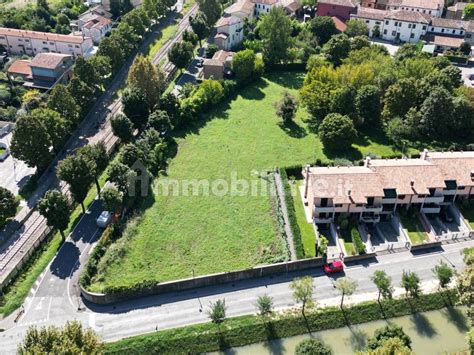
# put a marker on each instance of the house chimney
(412, 183)
(367, 161)
(349, 192)
(424, 154)
(306, 181)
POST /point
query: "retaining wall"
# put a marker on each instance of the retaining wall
(213, 279)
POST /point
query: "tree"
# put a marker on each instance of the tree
(78, 172)
(135, 107)
(383, 282)
(399, 98)
(356, 28)
(337, 48)
(444, 274)
(217, 312)
(71, 339)
(211, 9)
(390, 331)
(160, 120)
(200, 26)
(8, 205)
(122, 176)
(145, 76)
(322, 245)
(312, 347)
(56, 126)
(346, 286)
(337, 132)
(468, 12)
(110, 47)
(303, 292)
(61, 101)
(359, 42)
(82, 93)
(376, 31)
(98, 155)
(465, 48)
(102, 68)
(122, 127)
(323, 27)
(137, 20)
(437, 112)
(367, 104)
(181, 54)
(243, 65)
(286, 107)
(411, 283)
(130, 154)
(111, 199)
(275, 31)
(264, 305)
(85, 72)
(31, 142)
(55, 208)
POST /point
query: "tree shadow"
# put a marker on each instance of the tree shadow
(223, 343)
(65, 263)
(275, 347)
(358, 338)
(422, 325)
(349, 154)
(292, 80)
(458, 318)
(292, 129)
(254, 91)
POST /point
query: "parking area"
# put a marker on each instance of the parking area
(13, 172)
(384, 235)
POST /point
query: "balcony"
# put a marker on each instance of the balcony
(434, 199)
(323, 219)
(325, 209)
(370, 219)
(431, 208)
(373, 208)
(389, 200)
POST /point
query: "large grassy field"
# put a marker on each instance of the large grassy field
(180, 234)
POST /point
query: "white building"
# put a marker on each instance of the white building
(94, 23)
(430, 7)
(230, 32)
(398, 25)
(263, 7)
(32, 42)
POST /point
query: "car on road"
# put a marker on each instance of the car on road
(334, 267)
(104, 219)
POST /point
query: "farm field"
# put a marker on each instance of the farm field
(178, 236)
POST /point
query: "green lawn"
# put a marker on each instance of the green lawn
(308, 236)
(347, 240)
(207, 234)
(413, 226)
(467, 210)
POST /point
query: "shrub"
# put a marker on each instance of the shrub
(312, 347)
(337, 132)
(357, 240)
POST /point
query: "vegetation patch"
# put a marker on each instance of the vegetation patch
(250, 329)
(467, 210)
(413, 226)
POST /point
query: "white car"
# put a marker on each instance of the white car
(104, 219)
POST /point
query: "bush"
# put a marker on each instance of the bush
(337, 132)
(312, 347)
(357, 240)
(290, 206)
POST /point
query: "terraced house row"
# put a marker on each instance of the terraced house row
(375, 191)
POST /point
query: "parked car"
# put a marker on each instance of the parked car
(104, 219)
(334, 267)
(199, 62)
(446, 216)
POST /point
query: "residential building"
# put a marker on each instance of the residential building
(429, 7)
(44, 70)
(456, 11)
(243, 9)
(33, 42)
(218, 66)
(264, 6)
(339, 8)
(230, 32)
(375, 191)
(94, 23)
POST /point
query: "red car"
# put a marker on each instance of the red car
(334, 267)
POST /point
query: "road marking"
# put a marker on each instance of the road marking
(40, 304)
(49, 308)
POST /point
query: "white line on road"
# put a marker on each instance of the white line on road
(49, 308)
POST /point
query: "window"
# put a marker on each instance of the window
(454, 31)
(69, 45)
(461, 187)
(20, 40)
(424, 27)
(409, 25)
(377, 22)
(338, 205)
(386, 22)
(384, 32)
(45, 42)
(394, 33)
(413, 26)
(359, 204)
(468, 35)
(77, 46)
(430, 12)
(52, 43)
(2, 37)
(399, 24)
(412, 35)
(27, 40)
(367, 21)
(432, 29)
(396, 23)
(461, 32)
(442, 30)
(401, 197)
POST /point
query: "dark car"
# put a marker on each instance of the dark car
(199, 62)
(334, 267)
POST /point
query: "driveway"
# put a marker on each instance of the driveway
(14, 173)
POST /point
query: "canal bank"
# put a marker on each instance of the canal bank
(433, 332)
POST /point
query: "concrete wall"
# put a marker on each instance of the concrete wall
(214, 279)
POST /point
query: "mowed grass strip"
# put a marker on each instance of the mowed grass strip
(206, 234)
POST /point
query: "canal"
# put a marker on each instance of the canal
(432, 332)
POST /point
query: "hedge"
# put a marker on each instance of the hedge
(357, 240)
(250, 329)
(290, 206)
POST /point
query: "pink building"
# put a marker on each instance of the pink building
(339, 8)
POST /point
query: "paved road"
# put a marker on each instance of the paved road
(55, 300)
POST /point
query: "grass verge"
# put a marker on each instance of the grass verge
(250, 329)
(467, 210)
(414, 228)
(15, 294)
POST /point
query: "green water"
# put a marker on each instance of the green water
(432, 332)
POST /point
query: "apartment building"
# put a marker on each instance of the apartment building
(95, 23)
(21, 42)
(376, 190)
(429, 7)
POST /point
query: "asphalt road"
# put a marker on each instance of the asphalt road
(55, 298)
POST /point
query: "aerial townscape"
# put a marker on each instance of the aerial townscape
(237, 177)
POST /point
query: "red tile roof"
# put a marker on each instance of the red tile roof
(21, 67)
(48, 60)
(44, 36)
(340, 25)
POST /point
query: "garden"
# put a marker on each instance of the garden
(412, 224)
(467, 209)
(178, 236)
